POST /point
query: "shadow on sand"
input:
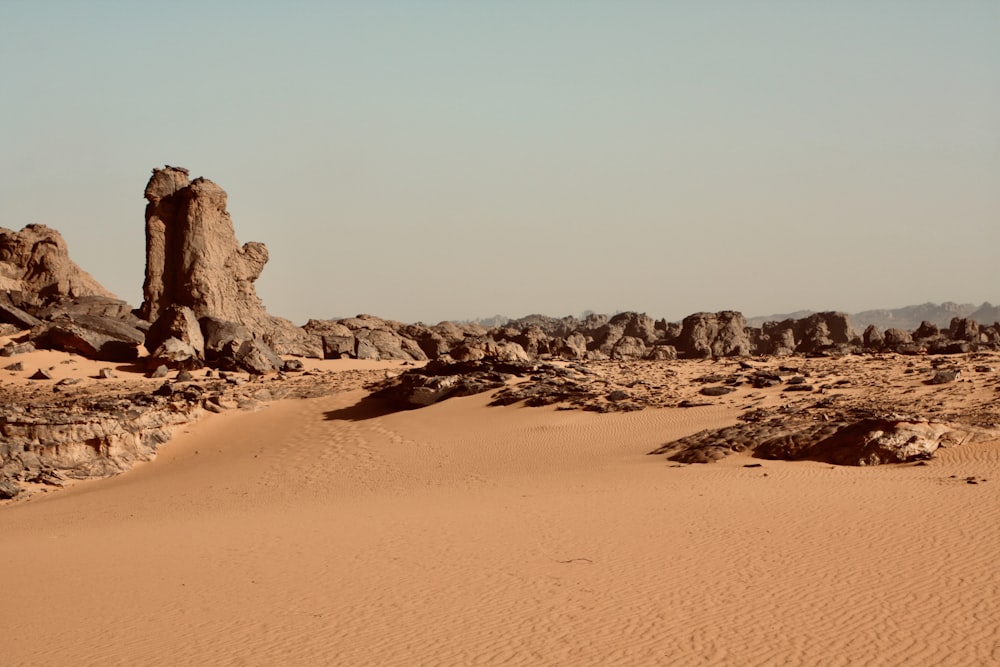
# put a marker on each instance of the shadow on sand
(367, 408)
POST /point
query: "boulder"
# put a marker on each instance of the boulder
(94, 305)
(11, 314)
(219, 337)
(872, 337)
(964, 329)
(254, 357)
(385, 344)
(8, 489)
(820, 332)
(177, 322)
(894, 337)
(94, 337)
(176, 354)
(628, 347)
(878, 441)
(573, 346)
(719, 334)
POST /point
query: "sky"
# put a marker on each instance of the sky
(436, 160)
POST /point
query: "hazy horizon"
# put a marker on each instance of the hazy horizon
(445, 160)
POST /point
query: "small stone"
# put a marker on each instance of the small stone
(292, 366)
(160, 372)
(944, 377)
(16, 366)
(165, 389)
(105, 374)
(184, 376)
(41, 374)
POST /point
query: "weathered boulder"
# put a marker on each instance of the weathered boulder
(872, 337)
(102, 338)
(94, 305)
(222, 337)
(175, 353)
(8, 489)
(866, 442)
(719, 334)
(573, 346)
(778, 338)
(177, 322)
(36, 261)
(385, 344)
(894, 337)
(11, 314)
(820, 332)
(964, 329)
(628, 347)
(254, 357)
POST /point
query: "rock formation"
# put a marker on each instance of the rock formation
(192, 256)
(36, 261)
(193, 261)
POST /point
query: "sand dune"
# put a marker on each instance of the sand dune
(319, 532)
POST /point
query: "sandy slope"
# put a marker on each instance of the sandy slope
(315, 532)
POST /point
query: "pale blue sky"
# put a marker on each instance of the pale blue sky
(432, 160)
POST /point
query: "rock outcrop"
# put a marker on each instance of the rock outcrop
(36, 261)
(719, 334)
(194, 261)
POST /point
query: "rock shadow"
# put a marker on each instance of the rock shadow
(367, 408)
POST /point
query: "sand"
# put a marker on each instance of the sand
(319, 532)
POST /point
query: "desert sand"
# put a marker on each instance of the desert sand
(322, 531)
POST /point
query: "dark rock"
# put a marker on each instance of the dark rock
(16, 366)
(222, 337)
(10, 349)
(94, 337)
(8, 489)
(90, 306)
(292, 366)
(715, 391)
(872, 337)
(165, 389)
(160, 371)
(41, 374)
(11, 314)
(893, 338)
(254, 357)
(964, 329)
(944, 377)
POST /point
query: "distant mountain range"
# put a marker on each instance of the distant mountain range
(906, 318)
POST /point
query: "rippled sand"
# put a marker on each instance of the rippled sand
(319, 532)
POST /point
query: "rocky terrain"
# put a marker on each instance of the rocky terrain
(203, 340)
